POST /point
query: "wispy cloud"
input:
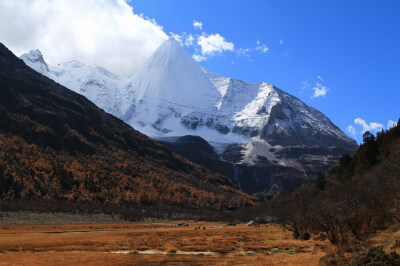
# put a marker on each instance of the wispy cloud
(183, 39)
(304, 86)
(197, 25)
(177, 37)
(319, 90)
(373, 126)
(351, 129)
(280, 42)
(243, 51)
(363, 126)
(262, 48)
(189, 40)
(208, 45)
(391, 124)
(199, 58)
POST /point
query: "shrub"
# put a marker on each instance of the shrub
(375, 256)
(171, 250)
(305, 236)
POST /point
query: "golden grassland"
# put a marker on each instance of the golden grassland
(127, 244)
(389, 238)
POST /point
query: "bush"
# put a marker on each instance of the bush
(305, 236)
(375, 256)
(171, 250)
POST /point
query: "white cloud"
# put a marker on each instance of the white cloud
(206, 45)
(351, 129)
(105, 32)
(183, 39)
(304, 85)
(373, 126)
(280, 42)
(319, 91)
(199, 58)
(189, 40)
(243, 51)
(213, 43)
(197, 25)
(177, 38)
(262, 48)
(391, 124)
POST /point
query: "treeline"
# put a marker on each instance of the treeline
(358, 196)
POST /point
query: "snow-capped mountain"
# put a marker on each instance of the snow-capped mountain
(94, 82)
(248, 125)
(167, 91)
(34, 59)
(172, 95)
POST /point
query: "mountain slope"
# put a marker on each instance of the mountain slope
(94, 82)
(55, 143)
(171, 86)
(270, 139)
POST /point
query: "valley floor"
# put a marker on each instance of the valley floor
(155, 243)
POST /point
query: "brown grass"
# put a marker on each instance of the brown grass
(171, 250)
(389, 238)
(95, 244)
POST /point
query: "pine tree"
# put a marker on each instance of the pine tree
(320, 182)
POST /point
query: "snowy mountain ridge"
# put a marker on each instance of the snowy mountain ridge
(172, 96)
(94, 82)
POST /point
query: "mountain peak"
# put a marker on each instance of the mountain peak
(71, 64)
(34, 56)
(170, 52)
(35, 60)
(172, 40)
(172, 79)
(36, 52)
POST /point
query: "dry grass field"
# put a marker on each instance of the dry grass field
(155, 243)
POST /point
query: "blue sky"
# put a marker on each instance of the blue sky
(346, 50)
(340, 56)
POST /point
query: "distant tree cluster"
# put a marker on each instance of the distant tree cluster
(371, 152)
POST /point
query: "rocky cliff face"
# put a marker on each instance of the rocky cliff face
(258, 135)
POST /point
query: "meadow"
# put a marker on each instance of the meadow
(156, 243)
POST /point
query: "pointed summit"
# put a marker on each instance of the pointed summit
(169, 84)
(171, 77)
(36, 54)
(34, 59)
